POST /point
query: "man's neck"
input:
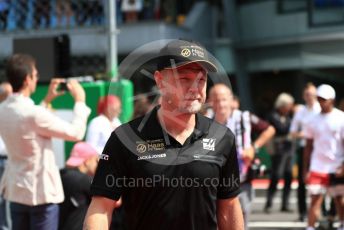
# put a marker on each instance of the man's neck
(327, 110)
(25, 92)
(180, 126)
(82, 168)
(223, 118)
(108, 117)
(310, 105)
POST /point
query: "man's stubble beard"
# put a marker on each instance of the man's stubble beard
(183, 107)
(192, 108)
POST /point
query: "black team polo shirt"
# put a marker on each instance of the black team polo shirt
(163, 184)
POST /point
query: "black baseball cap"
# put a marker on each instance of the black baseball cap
(177, 53)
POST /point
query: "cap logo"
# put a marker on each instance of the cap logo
(141, 148)
(198, 53)
(185, 52)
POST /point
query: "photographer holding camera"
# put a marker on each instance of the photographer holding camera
(31, 180)
(242, 124)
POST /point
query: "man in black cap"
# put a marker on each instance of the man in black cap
(173, 168)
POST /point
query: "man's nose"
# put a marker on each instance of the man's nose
(193, 89)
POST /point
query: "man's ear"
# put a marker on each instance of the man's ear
(158, 79)
(27, 79)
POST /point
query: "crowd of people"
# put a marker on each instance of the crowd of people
(28, 14)
(35, 194)
(47, 13)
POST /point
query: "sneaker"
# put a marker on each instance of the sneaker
(285, 209)
(267, 209)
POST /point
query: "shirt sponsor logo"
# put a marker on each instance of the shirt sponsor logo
(148, 157)
(209, 143)
(104, 157)
(150, 145)
(155, 146)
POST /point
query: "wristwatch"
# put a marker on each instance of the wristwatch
(256, 148)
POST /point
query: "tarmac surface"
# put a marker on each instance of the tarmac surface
(275, 219)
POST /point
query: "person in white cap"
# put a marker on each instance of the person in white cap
(324, 155)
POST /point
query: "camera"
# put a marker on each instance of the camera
(63, 86)
(257, 169)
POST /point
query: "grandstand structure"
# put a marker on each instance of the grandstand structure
(270, 45)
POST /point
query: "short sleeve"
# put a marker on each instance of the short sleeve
(308, 130)
(342, 132)
(93, 135)
(295, 125)
(258, 125)
(229, 185)
(110, 173)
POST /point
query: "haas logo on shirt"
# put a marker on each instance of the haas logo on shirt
(209, 143)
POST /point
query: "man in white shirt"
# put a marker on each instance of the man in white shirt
(101, 127)
(31, 180)
(5, 223)
(303, 115)
(324, 154)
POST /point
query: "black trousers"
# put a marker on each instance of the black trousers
(301, 190)
(281, 168)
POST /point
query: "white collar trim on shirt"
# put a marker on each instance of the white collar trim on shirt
(19, 96)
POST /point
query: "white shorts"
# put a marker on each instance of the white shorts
(318, 183)
(336, 190)
(317, 189)
(333, 191)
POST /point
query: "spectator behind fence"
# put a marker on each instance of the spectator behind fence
(76, 180)
(31, 180)
(101, 127)
(42, 10)
(303, 115)
(21, 9)
(64, 9)
(85, 10)
(131, 9)
(282, 158)
(5, 91)
(4, 10)
(95, 11)
(324, 156)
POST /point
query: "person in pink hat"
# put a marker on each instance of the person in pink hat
(76, 181)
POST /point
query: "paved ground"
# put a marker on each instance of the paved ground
(275, 220)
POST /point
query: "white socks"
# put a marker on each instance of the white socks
(310, 228)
